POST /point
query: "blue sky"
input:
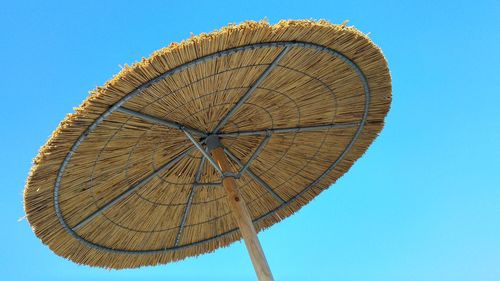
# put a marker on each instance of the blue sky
(422, 204)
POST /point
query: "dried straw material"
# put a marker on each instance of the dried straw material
(331, 74)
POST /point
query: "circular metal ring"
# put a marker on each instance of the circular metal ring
(181, 68)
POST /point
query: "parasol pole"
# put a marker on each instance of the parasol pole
(240, 211)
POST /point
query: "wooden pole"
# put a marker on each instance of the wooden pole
(242, 217)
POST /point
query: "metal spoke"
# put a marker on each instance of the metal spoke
(224, 53)
(202, 150)
(212, 184)
(190, 201)
(252, 89)
(289, 130)
(159, 121)
(254, 176)
(133, 188)
(254, 155)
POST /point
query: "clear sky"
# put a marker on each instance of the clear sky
(422, 204)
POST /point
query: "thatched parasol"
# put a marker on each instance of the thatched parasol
(206, 142)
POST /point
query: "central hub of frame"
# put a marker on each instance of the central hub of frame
(212, 142)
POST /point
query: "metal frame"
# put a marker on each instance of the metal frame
(132, 189)
(254, 176)
(288, 130)
(190, 201)
(164, 122)
(250, 91)
(210, 184)
(117, 107)
(255, 154)
(203, 151)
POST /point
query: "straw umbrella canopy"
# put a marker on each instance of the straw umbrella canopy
(206, 140)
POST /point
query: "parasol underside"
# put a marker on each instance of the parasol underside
(119, 185)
